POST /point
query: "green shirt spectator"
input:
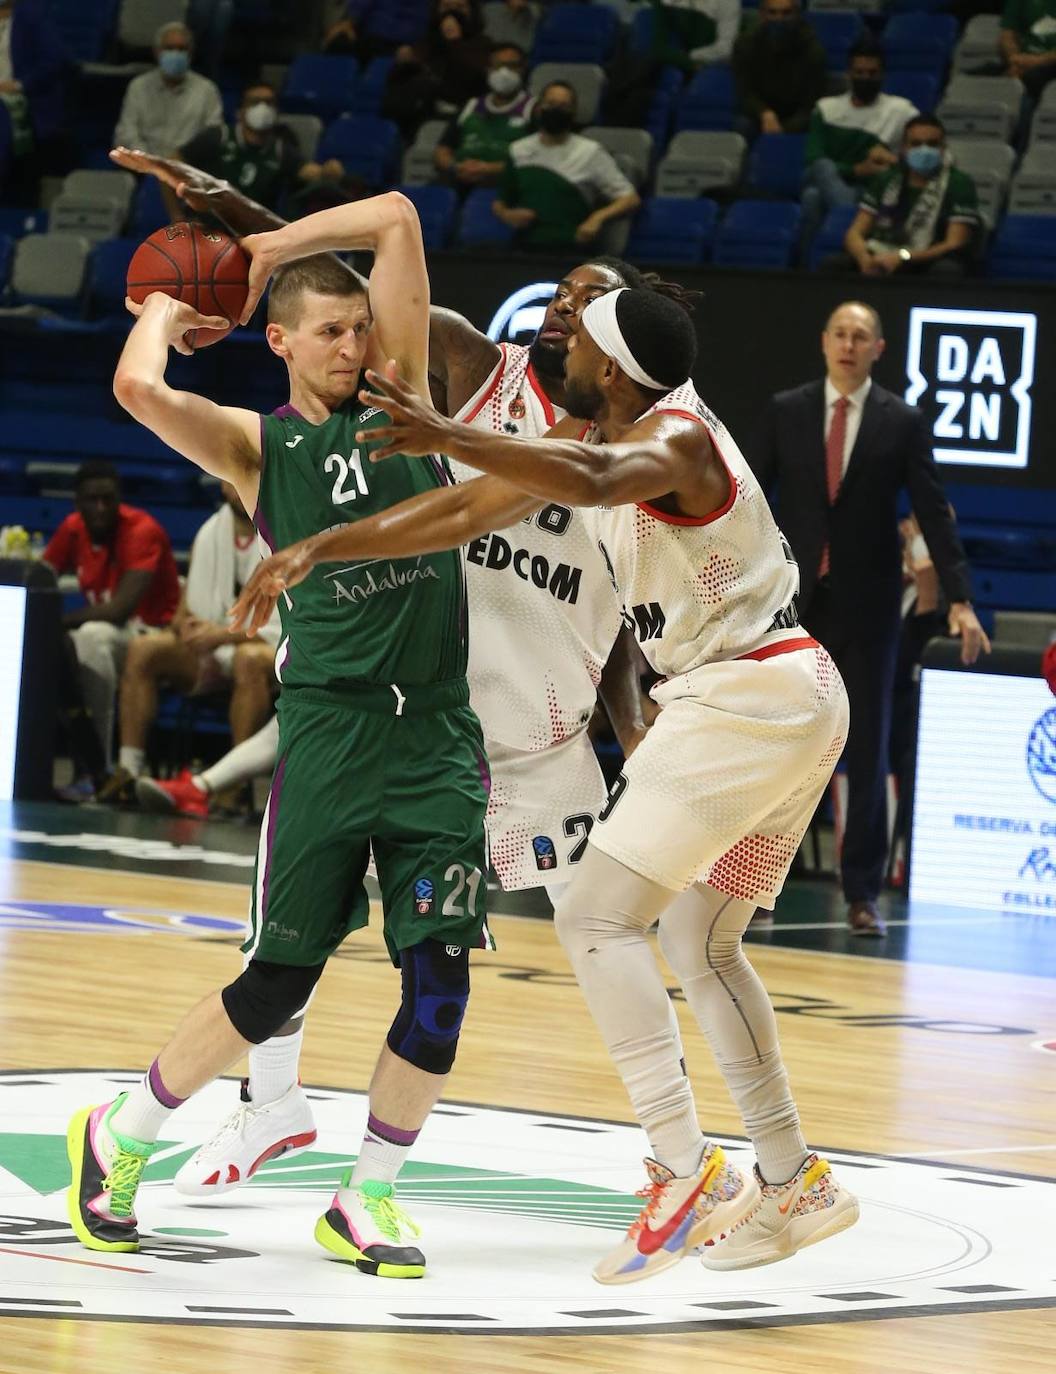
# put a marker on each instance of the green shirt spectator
(694, 33)
(473, 147)
(1028, 42)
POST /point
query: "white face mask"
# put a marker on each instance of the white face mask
(261, 117)
(504, 81)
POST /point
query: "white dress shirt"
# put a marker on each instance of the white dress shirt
(854, 415)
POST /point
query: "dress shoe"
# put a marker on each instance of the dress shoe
(864, 919)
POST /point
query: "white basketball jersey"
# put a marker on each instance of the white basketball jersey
(543, 609)
(699, 591)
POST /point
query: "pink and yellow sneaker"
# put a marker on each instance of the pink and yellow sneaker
(180, 795)
(106, 1168)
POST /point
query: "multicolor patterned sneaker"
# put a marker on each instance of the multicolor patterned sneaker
(366, 1228)
(680, 1213)
(809, 1208)
(106, 1171)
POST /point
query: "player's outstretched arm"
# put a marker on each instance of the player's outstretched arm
(204, 193)
(222, 440)
(428, 523)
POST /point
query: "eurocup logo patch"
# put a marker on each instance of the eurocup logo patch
(1041, 755)
(545, 852)
(518, 318)
(970, 372)
(424, 896)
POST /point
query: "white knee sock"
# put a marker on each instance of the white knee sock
(131, 759)
(601, 921)
(251, 759)
(700, 935)
(273, 1066)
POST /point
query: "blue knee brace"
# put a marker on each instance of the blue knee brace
(435, 993)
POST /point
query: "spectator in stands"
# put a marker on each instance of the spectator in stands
(920, 216)
(852, 137)
(779, 67)
(557, 187)
(32, 68)
(376, 28)
(441, 74)
(198, 654)
(1028, 42)
(166, 108)
(472, 149)
(124, 564)
(259, 155)
(694, 33)
(512, 22)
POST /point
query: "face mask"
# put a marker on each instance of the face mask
(865, 88)
(174, 61)
(504, 80)
(261, 117)
(925, 161)
(554, 119)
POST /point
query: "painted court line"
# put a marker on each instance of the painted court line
(65, 1259)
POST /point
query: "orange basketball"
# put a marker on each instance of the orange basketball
(204, 267)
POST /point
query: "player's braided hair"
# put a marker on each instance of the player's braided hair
(638, 280)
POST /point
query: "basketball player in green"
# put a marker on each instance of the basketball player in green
(378, 745)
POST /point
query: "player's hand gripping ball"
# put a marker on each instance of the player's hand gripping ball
(203, 267)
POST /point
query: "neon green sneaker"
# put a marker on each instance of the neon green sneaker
(365, 1227)
(106, 1169)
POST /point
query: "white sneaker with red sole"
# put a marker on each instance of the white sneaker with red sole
(248, 1138)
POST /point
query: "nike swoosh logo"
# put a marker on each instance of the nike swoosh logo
(650, 1240)
(292, 443)
(787, 1205)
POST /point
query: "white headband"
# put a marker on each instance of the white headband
(600, 322)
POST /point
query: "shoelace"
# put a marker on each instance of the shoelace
(123, 1180)
(654, 1193)
(390, 1220)
(233, 1126)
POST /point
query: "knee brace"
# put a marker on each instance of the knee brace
(435, 993)
(264, 996)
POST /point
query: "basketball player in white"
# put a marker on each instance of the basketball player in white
(704, 821)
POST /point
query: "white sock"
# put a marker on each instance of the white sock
(146, 1108)
(382, 1153)
(273, 1067)
(131, 759)
(250, 759)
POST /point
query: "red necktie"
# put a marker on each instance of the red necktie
(834, 446)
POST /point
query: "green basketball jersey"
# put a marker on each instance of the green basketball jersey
(382, 621)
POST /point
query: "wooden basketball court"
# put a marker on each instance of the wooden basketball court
(923, 1080)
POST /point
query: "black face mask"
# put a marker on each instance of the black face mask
(782, 33)
(554, 119)
(866, 88)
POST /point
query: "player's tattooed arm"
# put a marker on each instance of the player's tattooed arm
(460, 357)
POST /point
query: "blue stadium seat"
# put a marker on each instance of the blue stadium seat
(16, 221)
(369, 93)
(920, 87)
(84, 27)
(437, 207)
(666, 90)
(148, 208)
(479, 227)
(5, 143)
(757, 233)
(576, 33)
(708, 101)
(367, 145)
(775, 165)
(669, 229)
(915, 42)
(320, 85)
(1025, 246)
(829, 238)
(7, 249)
(918, 6)
(107, 275)
(837, 32)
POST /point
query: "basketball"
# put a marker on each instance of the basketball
(204, 267)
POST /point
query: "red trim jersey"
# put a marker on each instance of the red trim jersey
(543, 610)
(139, 545)
(698, 591)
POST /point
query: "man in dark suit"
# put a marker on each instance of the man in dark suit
(838, 452)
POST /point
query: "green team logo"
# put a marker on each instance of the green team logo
(515, 1207)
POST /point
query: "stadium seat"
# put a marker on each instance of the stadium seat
(106, 279)
(1025, 247)
(775, 165)
(139, 20)
(920, 88)
(989, 164)
(478, 227)
(666, 89)
(829, 238)
(978, 45)
(320, 85)
(757, 233)
(149, 211)
(586, 79)
(7, 250)
(708, 100)
(92, 218)
(915, 41)
(418, 165)
(837, 33)
(698, 161)
(112, 184)
(84, 28)
(576, 33)
(370, 91)
(1043, 126)
(49, 270)
(631, 148)
(1034, 185)
(673, 231)
(437, 208)
(982, 107)
(367, 145)
(307, 130)
(16, 221)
